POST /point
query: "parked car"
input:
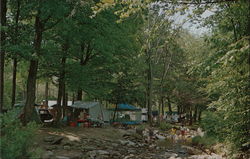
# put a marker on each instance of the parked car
(45, 116)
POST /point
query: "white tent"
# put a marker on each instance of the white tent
(94, 109)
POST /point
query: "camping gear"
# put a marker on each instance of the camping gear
(126, 114)
(87, 124)
(72, 124)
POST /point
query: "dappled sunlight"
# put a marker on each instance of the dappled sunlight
(70, 136)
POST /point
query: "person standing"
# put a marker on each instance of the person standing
(183, 130)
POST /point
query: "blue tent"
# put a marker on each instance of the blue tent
(126, 120)
(126, 107)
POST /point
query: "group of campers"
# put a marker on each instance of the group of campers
(77, 119)
(170, 117)
(74, 115)
(179, 133)
(174, 117)
(86, 114)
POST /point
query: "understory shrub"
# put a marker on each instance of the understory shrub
(214, 125)
(204, 141)
(15, 139)
(139, 129)
(165, 126)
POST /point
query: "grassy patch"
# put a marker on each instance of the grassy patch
(167, 143)
(206, 142)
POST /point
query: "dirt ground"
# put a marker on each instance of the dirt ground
(108, 142)
(76, 133)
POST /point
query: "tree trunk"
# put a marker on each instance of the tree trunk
(116, 106)
(199, 115)
(59, 101)
(106, 104)
(31, 90)
(149, 90)
(82, 63)
(2, 52)
(79, 95)
(162, 105)
(159, 110)
(65, 100)
(179, 112)
(73, 98)
(61, 89)
(178, 109)
(13, 99)
(60, 93)
(37, 88)
(46, 93)
(31, 82)
(195, 113)
(169, 105)
(234, 30)
(182, 109)
(190, 116)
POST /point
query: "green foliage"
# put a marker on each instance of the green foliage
(16, 139)
(224, 73)
(230, 81)
(141, 126)
(204, 141)
(214, 125)
(165, 126)
(104, 60)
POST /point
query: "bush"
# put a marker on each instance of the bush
(165, 126)
(214, 125)
(139, 129)
(228, 127)
(15, 138)
(205, 141)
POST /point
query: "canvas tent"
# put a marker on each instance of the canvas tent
(94, 109)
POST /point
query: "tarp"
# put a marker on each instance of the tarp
(127, 107)
(84, 105)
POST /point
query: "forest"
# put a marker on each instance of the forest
(184, 57)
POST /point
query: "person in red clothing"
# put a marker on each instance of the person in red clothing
(183, 130)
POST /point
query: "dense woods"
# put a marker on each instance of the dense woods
(136, 52)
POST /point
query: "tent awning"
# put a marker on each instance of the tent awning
(127, 107)
(84, 105)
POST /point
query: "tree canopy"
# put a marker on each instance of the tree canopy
(135, 52)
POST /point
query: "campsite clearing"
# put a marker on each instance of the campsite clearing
(109, 142)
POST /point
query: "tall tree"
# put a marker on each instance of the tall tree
(61, 82)
(45, 19)
(157, 46)
(2, 55)
(17, 16)
(225, 69)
